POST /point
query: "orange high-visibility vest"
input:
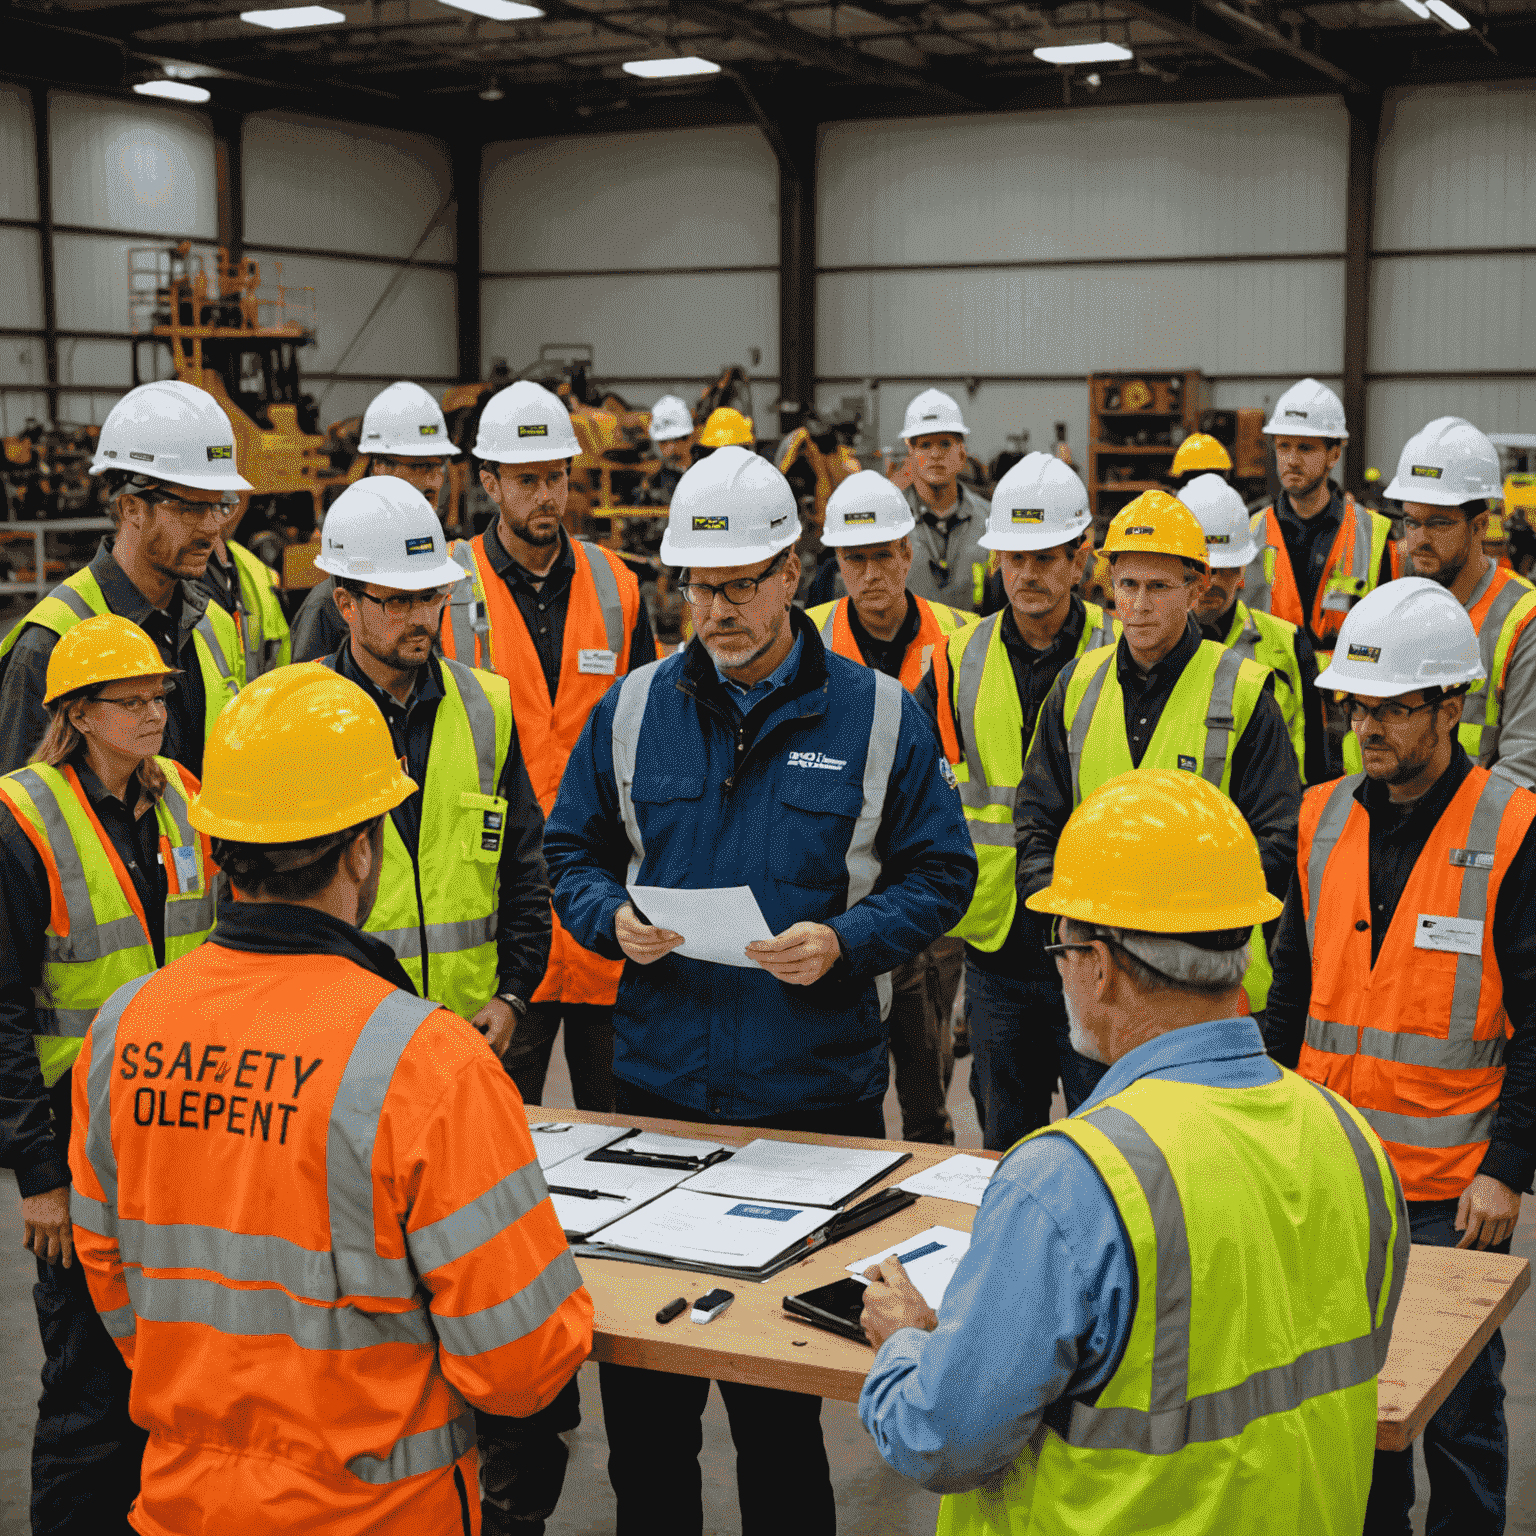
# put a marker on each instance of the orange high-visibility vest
(936, 624)
(603, 609)
(1415, 1042)
(310, 1215)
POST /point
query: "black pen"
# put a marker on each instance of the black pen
(584, 1194)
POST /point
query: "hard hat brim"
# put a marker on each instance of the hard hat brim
(449, 573)
(960, 430)
(1429, 496)
(1111, 912)
(1269, 429)
(1044, 538)
(671, 437)
(682, 553)
(233, 481)
(412, 451)
(298, 830)
(540, 455)
(1341, 679)
(54, 694)
(1245, 554)
(852, 538)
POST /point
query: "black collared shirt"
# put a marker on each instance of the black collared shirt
(24, 672)
(886, 655)
(1147, 696)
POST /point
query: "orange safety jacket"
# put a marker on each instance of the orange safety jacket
(1416, 1041)
(604, 607)
(310, 1215)
(930, 641)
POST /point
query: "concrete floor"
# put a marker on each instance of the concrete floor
(871, 1499)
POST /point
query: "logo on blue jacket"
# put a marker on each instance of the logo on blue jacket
(816, 760)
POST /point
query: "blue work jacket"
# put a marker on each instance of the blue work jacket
(831, 800)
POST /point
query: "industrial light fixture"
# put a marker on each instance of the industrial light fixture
(1418, 8)
(172, 90)
(1084, 53)
(491, 90)
(497, 10)
(285, 17)
(1449, 15)
(668, 69)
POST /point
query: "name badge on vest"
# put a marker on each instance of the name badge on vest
(1471, 858)
(1187, 763)
(1450, 935)
(597, 663)
(185, 860)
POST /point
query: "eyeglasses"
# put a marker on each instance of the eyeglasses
(1056, 948)
(1434, 524)
(403, 604)
(138, 705)
(1390, 713)
(194, 511)
(739, 591)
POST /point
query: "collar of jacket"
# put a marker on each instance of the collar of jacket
(428, 689)
(127, 602)
(1064, 641)
(961, 512)
(507, 567)
(1173, 663)
(1330, 517)
(280, 928)
(804, 694)
(1423, 813)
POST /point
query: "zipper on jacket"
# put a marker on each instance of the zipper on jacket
(421, 921)
(458, 1483)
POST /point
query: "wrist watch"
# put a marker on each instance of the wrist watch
(515, 1003)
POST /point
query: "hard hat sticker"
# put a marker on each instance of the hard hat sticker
(421, 546)
(1425, 472)
(221, 451)
(149, 458)
(1218, 538)
(430, 431)
(1299, 415)
(1029, 514)
(1142, 532)
(533, 429)
(850, 518)
(711, 525)
(1370, 653)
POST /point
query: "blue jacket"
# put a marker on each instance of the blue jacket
(839, 810)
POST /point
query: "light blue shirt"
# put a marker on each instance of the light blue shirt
(745, 700)
(1040, 1308)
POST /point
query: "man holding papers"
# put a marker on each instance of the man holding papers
(751, 758)
(1177, 1300)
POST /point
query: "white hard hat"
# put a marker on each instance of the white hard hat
(1307, 409)
(1449, 462)
(404, 421)
(933, 411)
(733, 508)
(670, 420)
(173, 432)
(1221, 512)
(384, 530)
(1407, 634)
(525, 424)
(1039, 504)
(866, 509)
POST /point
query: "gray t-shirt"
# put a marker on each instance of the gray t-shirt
(948, 563)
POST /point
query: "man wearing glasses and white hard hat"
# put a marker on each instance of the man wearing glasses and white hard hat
(752, 757)
(950, 561)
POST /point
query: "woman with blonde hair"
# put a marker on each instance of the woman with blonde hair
(102, 880)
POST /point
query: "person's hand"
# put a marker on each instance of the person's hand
(49, 1234)
(1486, 1213)
(641, 942)
(496, 1021)
(803, 953)
(891, 1301)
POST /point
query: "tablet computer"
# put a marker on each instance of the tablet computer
(835, 1307)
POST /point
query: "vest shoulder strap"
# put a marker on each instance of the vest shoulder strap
(1336, 800)
(473, 692)
(609, 601)
(1084, 688)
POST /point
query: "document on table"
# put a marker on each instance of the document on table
(556, 1140)
(708, 1229)
(929, 1259)
(961, 1177)
(795, 1172)
(639, 1145)
(716, 925)
(582, 1214)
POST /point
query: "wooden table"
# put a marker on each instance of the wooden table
(1452, 1302)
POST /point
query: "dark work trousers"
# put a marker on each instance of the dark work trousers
(86, 1452)
(588, 1052)
(1020, 1046)
(522, 1465)
(1466, 1443)
(654, 1419)
(923, 992)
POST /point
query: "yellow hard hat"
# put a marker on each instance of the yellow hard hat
(299, 753)
(1161, 851)
(725, 427)
(105, 649)
(1156, 524)
(1200, 451)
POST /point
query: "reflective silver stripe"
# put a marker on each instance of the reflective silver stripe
(1410, 1050)
(1483, 833)
(973, 662)
(360, 1269)
(1436, 1133)
(862, 861)
(1103, 636)
(65, 1023)
(98, 1138)
(92, 1215)
(501, 1206)
(991, 834)
(1361, 569)
(826, 628)
(1330, 826)
(442, 938)
(464, 617)
(238, 1256)
(1475, 709)
(1246, 643)
(109, 938)
(74, 601)
(482, 721)
(430, 1450)
(204, 627)
(1077, 731)
(1256, 580)
(529, 1309)
(608, 599)
(629, 711)
(120, 1322)
(85, 938)
(1220, 722)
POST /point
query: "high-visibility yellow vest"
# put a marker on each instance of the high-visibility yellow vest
(989, 760)
(1271, 642)
(216, 640)
(1270, 1242)
(97, 937)
(449, 894)
(265, 640)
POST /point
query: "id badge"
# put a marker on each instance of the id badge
(597, 663)
(487, 825)
(185, 860)
(1450, 935)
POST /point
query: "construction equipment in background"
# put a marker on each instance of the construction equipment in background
(1241, 433)
(1517, 460)
(44, 479)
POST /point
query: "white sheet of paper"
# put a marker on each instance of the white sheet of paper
(554, 1141)
(794, 1172)
(706, 1229)
(716, 925)
(580, 1217)
(961, 1177)
(929, 1259)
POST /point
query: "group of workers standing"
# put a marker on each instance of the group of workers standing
(324, 901)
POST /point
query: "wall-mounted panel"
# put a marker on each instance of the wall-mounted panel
(630, 201)
(1230, 178)
(1439, 313)
(119, 165)
(1397, 409)
(321, 185)
(21, 292)
(18, 163)
(690, 325)
(1456, 168)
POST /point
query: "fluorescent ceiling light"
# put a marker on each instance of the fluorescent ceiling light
(667, 69)
(1418, 8)
(174, 90)
(1450, 16)
(1084, 53)
(293, 16)
(497, 10)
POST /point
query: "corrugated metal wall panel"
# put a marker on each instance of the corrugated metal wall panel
(631, 201)
(88, 361)
(118, 165)
(18, 176)
(322, 185)
(1191, 180)
(21, 294)
(1397, 409)
(690, 325)
(1439, 313)
(18, 407)
(91, 281)
(1456, 168)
